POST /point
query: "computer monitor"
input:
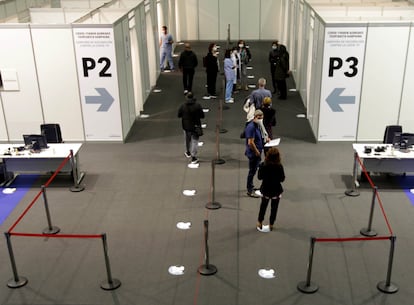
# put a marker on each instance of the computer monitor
(36, 141)
(396, 141)
(407, 139)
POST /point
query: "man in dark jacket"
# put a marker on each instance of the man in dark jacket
(187, 63)
(191, 114)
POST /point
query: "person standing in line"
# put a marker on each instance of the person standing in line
(235, 58)
(212, 69)
(229, 68)
(254, 147)
(191, 114)
(269, 116)
(260, 93)
(272, 174)
(244, 58)
(187, 64)
(273, 55)
(166, 42)
(282, 71)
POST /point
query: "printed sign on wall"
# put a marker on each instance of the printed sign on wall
(343, 62)
(98, 83)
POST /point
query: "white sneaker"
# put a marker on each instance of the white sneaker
(230, 101)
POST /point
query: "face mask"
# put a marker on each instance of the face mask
(274, 47)
(259, 121)
(241, 45)
(234, 52)
(214, 48)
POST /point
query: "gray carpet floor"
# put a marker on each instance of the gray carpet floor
(134, 194)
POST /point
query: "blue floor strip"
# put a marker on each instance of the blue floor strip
(8, 202)
(407, 184)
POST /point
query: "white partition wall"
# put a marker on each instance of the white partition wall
(406, 117)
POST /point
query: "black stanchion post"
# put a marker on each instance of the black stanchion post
(368, 231)
(213, 205)
(307, 286)
(218, 160)
(353, 191)
(386, 286)
(50, 229)
(110, 284)
(207, 268)
(76, 186)
(16, 281)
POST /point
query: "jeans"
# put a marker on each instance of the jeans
(188, 76)
(229, 89)
(253, 165)
(191, 142)
(166, 54)
(273, 209)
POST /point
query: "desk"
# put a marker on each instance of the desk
(389, 161)
(47, 160)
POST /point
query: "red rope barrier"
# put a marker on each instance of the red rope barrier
(58, 170)
(25, 211)
(58, 235)
(377, 196)
(351, 239)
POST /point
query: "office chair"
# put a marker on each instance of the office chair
(389, 133)
(52, 132)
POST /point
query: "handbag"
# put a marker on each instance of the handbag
(198, 130)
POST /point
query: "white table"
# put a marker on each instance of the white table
(390, 161)
(47, 160)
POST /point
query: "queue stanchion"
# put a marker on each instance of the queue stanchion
(50, 229)
(213, 204)
(111, 283)
(308, 286)
(17, 281)
(76, 185)
(206, 268)
(386, 286)
(353, 191)
(218, 160)
(368, 231)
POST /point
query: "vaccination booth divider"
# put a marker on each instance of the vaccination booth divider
(84, 68)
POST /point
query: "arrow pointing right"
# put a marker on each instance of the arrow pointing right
(335, 99)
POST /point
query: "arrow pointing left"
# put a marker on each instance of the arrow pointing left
(104, 99)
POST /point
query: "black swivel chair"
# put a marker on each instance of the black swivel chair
(52, 132)
(389, 133)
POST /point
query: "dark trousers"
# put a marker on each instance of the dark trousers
(211, 83)
(272, 72)
(188, 76)
(273, 209)
(253, 166)
(281, 85)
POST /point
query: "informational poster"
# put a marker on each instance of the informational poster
(343, 63)
(98, 83)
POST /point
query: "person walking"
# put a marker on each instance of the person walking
(257, 96)
(229, 68)
(187, 64)
(272, 174)
(166, 42)
(212, 68)
(191, 114)
(254, 147)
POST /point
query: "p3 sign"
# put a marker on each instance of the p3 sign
(341, 82)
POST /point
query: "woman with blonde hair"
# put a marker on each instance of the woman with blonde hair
(272, 174)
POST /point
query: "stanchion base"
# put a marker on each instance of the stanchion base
(365, 232)
(383, 287)
(105, 285)
(352, 193)
(219, 161)
(207, 269)
(78, 188)
(213, 205)
(52, 230)
(222, 130)
(17, 284)
(311, 288)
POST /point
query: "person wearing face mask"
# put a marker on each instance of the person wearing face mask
(244, 58)
(254, 147)
(210, 62)
(269, 116)
(228, 67)
(282, 71)
(166, 42)
(273, 55)
(235, 58)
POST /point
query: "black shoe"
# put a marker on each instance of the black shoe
(194, 160)
(187, 154)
